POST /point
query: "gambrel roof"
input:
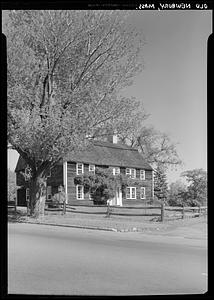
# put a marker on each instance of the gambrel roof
(104, 154)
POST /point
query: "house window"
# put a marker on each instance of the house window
(80, 192)
(128, 172)
(153, 184)
(142, 174)
(116, 171)
(27, 194)
(27, 173)
(91, 168)
(49, 193)
(131, 173)
(131, 193)
(79, 169)
(142, 193)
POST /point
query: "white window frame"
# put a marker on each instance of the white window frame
(142, 174)
(78, 169)
(144, 192)
(131, 172)
(116, 170)
(49, 192)
(91, 169)
(128, 171)
(81, 192)
(27, 194)
(153, 175)
(131, 188)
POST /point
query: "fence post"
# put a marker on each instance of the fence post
(108, 209)
(64, 207)
(199, 210)
(162, 212)
(183, 211)
(28, 207)
(15, 203)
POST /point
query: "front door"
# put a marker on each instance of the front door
(118, 196)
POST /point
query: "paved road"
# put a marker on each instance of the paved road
(68, 261)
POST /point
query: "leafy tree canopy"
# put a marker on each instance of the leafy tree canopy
(65, 69)
(160, 184)
(65, 73)
(177, 193)
(197, 188)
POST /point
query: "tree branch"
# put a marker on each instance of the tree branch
(25, 156)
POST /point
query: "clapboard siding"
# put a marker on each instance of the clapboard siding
(56, 178)
(130, 202)
(71, 173)
(20, 180)
(147, 183)
(80, 202)
(148, 194)
(123, 171)
(102, 155)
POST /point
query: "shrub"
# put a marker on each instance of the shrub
(102, 184)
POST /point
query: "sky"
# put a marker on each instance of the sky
(173, 84)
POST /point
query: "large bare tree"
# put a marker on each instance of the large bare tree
(65, 73)
(156, 147)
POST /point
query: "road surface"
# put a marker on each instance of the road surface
(68, 261)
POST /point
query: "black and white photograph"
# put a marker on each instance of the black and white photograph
(107, 150)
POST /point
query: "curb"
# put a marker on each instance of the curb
(75, 226)
(134, 229)
(110, 229)
(122, 230)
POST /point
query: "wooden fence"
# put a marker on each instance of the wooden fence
(12, 204)
(163, 211)
(188, 210)
(55, 206)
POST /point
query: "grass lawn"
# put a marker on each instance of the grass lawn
(120, 223)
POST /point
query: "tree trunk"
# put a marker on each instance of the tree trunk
(37, 196)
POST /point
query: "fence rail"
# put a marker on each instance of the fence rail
(195, 210)
(113, 210)
(121, 210)
(162, 210)
(134, 215)
(12, 204)
(114, 206)
(178, 208)
(57, 206)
